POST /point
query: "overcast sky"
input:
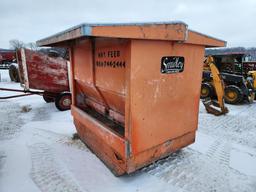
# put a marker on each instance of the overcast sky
(31, 20)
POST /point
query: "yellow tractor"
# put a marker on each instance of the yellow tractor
(240, 85)
(216, 85)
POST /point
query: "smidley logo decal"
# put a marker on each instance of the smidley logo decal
(172, 64)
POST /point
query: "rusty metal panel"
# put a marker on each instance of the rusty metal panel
(163, 106)
(152, 30)
(73, 33)
(82, 69)
(202, 39)
(114, 161)
(174, 31)
(101, 77)
(110, 71)
(42, 72)
(160, 151)
(84, 75)
(116, 141)
(7, 56)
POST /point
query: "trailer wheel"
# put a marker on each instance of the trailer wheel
(206, 90)
(48, 98)
(63, 101)
(14, 73)
(233, 94)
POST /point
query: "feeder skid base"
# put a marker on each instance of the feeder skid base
(110, 147)
(161, 151)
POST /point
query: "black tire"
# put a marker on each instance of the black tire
(48, 97)
(233, 94)
(63, 101)
(14, 73)
(207, 90)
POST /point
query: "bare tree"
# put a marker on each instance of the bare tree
(32, 46)
(16, 44)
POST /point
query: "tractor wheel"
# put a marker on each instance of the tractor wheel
(48, 97)
(63, 101)
(14, 73)
(206, 90)
(233, 94)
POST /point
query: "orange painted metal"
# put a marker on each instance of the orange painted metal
(126, 107)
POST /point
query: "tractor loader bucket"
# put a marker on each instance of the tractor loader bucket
(214, 108)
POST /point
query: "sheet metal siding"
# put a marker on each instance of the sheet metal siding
(86, 28)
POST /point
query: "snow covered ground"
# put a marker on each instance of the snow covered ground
(37, 153)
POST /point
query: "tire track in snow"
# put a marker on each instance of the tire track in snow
(42, 113)
(220, 151)
(61, 139)
(10, 122)
(2, 159)
(48, 173)
(194, 172)
(238, 128)
(189, 171)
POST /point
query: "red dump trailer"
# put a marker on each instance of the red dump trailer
(47, 73)
(6, 58)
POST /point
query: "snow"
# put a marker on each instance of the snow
(203, 143)
(87, 166)
(37, 153)
(4, 75)
(16, 168)
(243, 162)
